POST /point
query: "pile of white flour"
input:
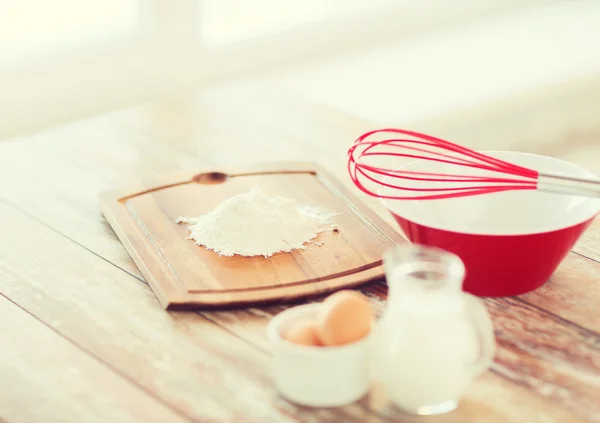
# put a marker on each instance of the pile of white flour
(252, 224)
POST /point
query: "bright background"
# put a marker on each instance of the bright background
(386, 60)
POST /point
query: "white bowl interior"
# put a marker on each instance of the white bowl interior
(504, 213)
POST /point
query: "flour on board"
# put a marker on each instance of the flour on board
(253, 224)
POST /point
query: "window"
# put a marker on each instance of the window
(232, 20)
(62, 59)
(30, 28)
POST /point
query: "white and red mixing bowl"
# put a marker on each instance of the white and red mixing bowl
(510, 242)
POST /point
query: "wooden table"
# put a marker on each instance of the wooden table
(84, 340)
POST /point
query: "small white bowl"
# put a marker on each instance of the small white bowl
(317, 376)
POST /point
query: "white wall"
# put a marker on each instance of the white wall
(391, 61)
(485, 61)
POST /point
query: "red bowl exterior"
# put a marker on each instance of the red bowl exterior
(500, 265)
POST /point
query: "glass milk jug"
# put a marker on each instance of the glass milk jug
(433, 339)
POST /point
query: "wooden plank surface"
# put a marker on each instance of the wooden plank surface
(47, 378)
(63, 264)
(184, 358)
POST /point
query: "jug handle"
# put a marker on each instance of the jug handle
(484, 329)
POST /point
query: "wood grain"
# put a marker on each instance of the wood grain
(47, 379)
(214, 366)
(185, 358)
(545, 363)
(589, 244)
(556, 360)
(573, 292)
(186, 276)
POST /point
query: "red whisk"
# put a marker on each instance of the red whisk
(479, 173)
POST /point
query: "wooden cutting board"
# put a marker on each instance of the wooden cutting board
(184, 275)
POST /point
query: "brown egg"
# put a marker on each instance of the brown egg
(344, 317)
(302, 332)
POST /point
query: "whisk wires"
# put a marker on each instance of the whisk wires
(432, 185)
